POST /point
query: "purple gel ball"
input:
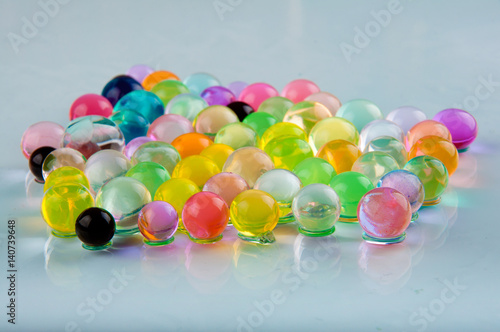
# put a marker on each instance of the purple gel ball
(134, 145)
(236, 87)
(461, 124)
(139, 72)
(218, 95)
(158, 222)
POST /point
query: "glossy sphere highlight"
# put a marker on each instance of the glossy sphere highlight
(95, 227)
(340, 154)
(226, 185)
(360, 112)
(408, 184)
(298, 90)
(218, 95)
(282, 129)
(327, 99)
(198, 82)
(249, 163)
(286, 152)
(196, 168)
(63, 157)
(241, 109)
(156, 77)
(134, 144)
(316, 208)
(276, 106)
(158, 152)
(123, 197)
(62, 204)
(314, 170)
(255, 214)
(143, 102)
(187, 105)
(118, 87)
(150, 174)
(104, 166)
(168, 89)
(391, 146)
(168, 127)
(66, 175)
(331, 129)
(439, 148)
(426, 128)
(191, 144)
(40, 134)
(406, 117)
(384, 214)
(139, 72)
(157, 223)
(433, 174)
(306, 114)
(350, 186)
(379, 128)
(213, 118)
(260, 122)
(90, 104)
(36, 162)
(461, 124)
(375, 165)
(237, 135)
(205, 216)
(90, 134)
(283, 185)
(131, 124)
(218, 153)
(254, 94)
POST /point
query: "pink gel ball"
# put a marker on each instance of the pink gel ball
(134, 145)
(90, 104)
(255, 94)
(168, 127)
(299, 90)
(44, 133)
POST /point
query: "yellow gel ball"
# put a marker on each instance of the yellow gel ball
(66, 174)
(306, 114)
(340, 153)
(196, 168)
(330, 129)
(286, 152)
(281, 129)
(218, 153)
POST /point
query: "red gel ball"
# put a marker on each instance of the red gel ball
(255, 94)
(90, 104)
(298, 90)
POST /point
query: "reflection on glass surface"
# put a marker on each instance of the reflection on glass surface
(62, 263)
(466, 174)
(161, 265)
(34, 192)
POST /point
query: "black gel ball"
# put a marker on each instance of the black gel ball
(36, 162)
(95, 227)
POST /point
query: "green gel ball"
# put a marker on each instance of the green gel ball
(168, 89)
(286, 152)
(360, 112)
(276, 106)
(237, 135)
(151, 174)
(314, 170)
(351, 187)
(260, 121)
(433, 174)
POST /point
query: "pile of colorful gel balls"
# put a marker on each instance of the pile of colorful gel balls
(155, 154)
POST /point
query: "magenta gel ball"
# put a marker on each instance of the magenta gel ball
(299, 90)
(158, 222)
(218, 95)
(168, 127)
(236, 87)
(90, 104)
(256, 93)
(384, 214)
(139, 72)
(44, 133)
(461, 124)
(134, 145)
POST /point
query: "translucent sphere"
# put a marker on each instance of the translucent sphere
(236, 87)
(406, 117)
(218, 95)
(287, 151)
(351, 187)
(134, 144)
(439, 148)
(316, 209)
(156, 77)
(300, 89)
(168, 89)
(90, 104)
(213, 118)
(158, 152)
(237, 135)
(276, 106)
(283, 185)
(62, 204)
(340, 153)
(205, 216)
(191, 144)
(131, 123)
(255, 214)
(433, 174)
(409, 185)
(327, 99)
(168, 127)
(226, 185)
(314, 170)
(331, 129)
(139, 72)
(124, 198)
(157, 223)
(218, 153)
(306, 114)
(40, 134)
(118, 87)
(375, 165)
(379, 128)
(360, 112)
(62, 157)
(282, 129)
(198, 82)
(384, 214)
(104, 166)
(254, 94)
(260, 121)
(461, 124)
(197, 169)
(391, 146)
(66, 175)
(249, 163)
(187, 105)
(90, 134)
(426, 128)
(143, 102)
(150, 174)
